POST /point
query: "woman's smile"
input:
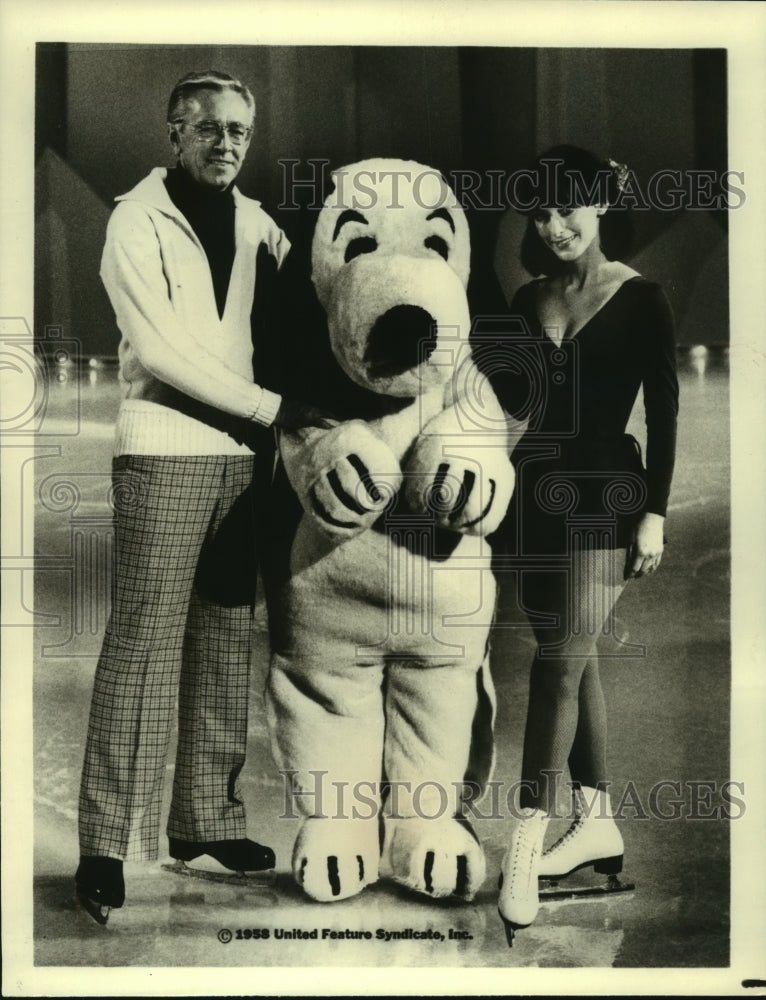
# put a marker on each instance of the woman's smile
(562, 243)
(568, 230)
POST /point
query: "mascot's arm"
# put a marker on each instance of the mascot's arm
(344, 477)
(460, 467)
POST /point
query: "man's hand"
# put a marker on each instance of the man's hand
(294, 414)
(646, 552)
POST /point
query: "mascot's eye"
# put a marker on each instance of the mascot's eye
(438, 244)
(362, 244)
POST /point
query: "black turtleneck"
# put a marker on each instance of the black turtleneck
(210, 213)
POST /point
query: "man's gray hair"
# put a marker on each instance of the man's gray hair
(209, 79)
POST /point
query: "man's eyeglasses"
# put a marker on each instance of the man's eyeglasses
(214, 131)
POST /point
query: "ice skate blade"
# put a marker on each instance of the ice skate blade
(510, 929)
(610, 867)
(97, 911)
(551, 889)
(244, 879)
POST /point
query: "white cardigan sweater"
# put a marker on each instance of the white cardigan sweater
(157, 276)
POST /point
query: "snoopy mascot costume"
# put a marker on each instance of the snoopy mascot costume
(381, 593)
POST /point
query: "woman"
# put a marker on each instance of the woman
(585, 517)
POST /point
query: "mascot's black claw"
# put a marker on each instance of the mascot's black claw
(325, 516)
(345, 498)
(462, 875)
(428, 872)
(333, 876)
(366, 479)
(492, 488)
(469, 479)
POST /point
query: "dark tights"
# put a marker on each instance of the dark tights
(566, 716)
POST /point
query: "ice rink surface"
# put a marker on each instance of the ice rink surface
(668, 715)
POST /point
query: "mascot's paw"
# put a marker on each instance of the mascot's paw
(357, 476)
(334, 858)
(464, 495)
(439, 857)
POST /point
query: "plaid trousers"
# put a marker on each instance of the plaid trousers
(180, 625)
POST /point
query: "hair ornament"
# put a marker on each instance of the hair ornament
(620, 171)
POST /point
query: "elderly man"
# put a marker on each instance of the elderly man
(186, 257)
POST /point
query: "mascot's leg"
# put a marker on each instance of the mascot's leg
(327, 728)
(433, 711)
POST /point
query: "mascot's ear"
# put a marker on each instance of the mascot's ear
(489, 309)
(302, 365)
(302, 329)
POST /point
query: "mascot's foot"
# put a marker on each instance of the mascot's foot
(439, 857)
(336, 858)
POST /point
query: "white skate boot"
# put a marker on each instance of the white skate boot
(593, 839)
(518, 902)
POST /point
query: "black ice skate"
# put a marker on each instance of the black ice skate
(224, 861)
(99, 886)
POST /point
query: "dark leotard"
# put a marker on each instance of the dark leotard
(577, 470)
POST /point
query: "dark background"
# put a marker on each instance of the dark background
(100, 127)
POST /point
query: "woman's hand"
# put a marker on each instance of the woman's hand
(646, 552)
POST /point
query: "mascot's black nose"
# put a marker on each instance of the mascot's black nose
(400, 339)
